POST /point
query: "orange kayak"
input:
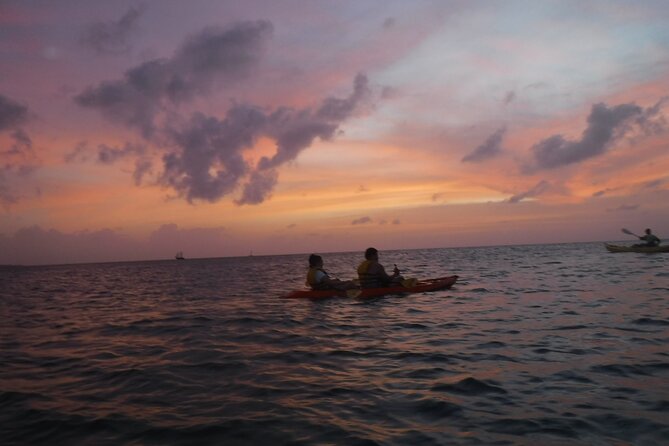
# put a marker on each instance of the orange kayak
(421, 286)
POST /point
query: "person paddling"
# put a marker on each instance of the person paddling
(651, 239)
(373, 275)
(319, 279)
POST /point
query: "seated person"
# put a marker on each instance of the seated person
(318, 279)
(651, 240)
(373, 275)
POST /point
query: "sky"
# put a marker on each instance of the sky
(130, 130)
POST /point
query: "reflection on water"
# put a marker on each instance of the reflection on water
(558, 344)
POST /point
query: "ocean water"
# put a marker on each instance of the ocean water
(535, 345)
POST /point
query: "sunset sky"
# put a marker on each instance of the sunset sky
(130, 130)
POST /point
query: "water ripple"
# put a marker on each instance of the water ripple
(556, 345)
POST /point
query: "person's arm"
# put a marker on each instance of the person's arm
(381, 271)
(330, 282)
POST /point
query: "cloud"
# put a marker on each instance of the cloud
(18, 158)
(601, 193)
(12, 114)
(606, 125)
(142, 168)
(204, 154)
(148, 90)
(624, 208)
(78, 154)
(112, 37)
(109, 155)
(207, 163)
(657, 183)
(538, 189)
(489, 149)
(259, 187)
(361, 221)
(294, 131)
(509, 97)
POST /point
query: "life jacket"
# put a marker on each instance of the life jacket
(311, 279)
(367, 279)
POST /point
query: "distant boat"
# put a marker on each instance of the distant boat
(180, 256)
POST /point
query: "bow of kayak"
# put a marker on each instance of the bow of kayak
(422, 286)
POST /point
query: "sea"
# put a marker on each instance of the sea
(562, 344)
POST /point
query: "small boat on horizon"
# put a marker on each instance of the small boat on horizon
(180, 256)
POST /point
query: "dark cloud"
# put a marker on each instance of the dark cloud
(204, 154)
(112, 37)
(538, 189)
(653, 184)
(389, 23)
(22, 146)
(78, 154)
(109, 155)
(509, 97)
(146, 91)
(624, 208)
(207, 163)
(601, 193)
(335, 109)
(361, 221)
(490, 148)
(259, 187)
(294, 130)
(17, 158)
(606, 125)
(12, 114)
(142, 168)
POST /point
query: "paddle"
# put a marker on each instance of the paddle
(627, 231)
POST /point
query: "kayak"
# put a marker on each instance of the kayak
(648, 249)
(421, 286)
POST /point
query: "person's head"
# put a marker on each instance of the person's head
(648, 231)
(315, 261)
(371, 254)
